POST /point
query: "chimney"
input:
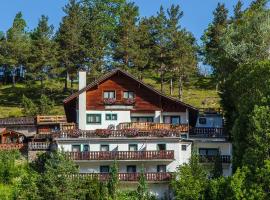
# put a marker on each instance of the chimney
(82, 79)
(82, 101)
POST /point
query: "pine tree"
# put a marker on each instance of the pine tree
(43, 56)
(217, 170)
(101, 20)
(160, 45)
(238, 10)
(182, 51)
(212, 49)
(68, 38)
(125, 46)
(16, 46)
(113, 181)
(142, 189)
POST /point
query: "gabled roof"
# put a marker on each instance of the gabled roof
(115, 71)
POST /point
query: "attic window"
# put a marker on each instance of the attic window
(128, 95)
(109, 95)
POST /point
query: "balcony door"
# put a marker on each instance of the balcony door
(175, 120)
(104, 169)
(76, 148)
(133, 147)
(131, 169)
(161, 168)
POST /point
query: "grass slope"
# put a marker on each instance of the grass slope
(199, 92)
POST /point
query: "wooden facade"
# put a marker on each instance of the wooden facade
(147, 99)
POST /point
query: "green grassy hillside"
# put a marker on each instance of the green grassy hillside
(198, 92)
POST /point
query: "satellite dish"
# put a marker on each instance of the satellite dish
(111, 127)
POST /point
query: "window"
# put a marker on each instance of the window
(161, 168)
(111, 117)
(202, 120)
(184, 147)
(208, 152)
(131, 168)
(104, 169)
(104, 147)
(176, 120)
(133, 147)
(129, 95)
(86, 148)
(76, 148)
(93, 118)
(142, 119)
(109, 95)
(161, 147)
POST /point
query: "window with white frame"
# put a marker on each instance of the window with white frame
(109, 94)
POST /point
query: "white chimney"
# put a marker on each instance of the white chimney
(82, 101)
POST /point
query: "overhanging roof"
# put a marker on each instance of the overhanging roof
(115, 71)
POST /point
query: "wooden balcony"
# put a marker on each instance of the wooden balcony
(211, 159)
(122, 155)
(12, 146)
(106, 133)
(34, 146)
(207, 132)
(51, 119)
(132, 177)
(148, 126)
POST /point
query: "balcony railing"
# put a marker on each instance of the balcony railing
(148, 126)
(207, 132)
(121, 155)
(212, 158)
(106, 133)
(151, 177)
(51, 119)
(12, 146)
(38, 146)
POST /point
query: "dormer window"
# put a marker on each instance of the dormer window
(129, 95)
(109, 95)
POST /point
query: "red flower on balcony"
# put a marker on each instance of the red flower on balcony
(161, 132)
(131, 132)
(109, 101)
(103, 132)
(129, 101)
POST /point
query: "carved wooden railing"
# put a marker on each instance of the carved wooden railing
(12, 146)
(105, 133)
(39, 146)
(121, 155)
(212, 158)
(207, 132)
(51, 119)
(151, 177)
(146, 126)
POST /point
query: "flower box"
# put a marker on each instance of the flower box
(129, 101)
(109, 101)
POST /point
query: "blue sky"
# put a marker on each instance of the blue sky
(197, 13)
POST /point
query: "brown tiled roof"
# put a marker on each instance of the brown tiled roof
(17, 121)
(109, 74)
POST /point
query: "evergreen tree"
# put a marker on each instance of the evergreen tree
(212, 49)
(238, 10)
(190, 181)
(142, 189)
(160, 45)
(142, 59)
(69, 39)
(182, 52)
(16, 46)
(29, 107)
(43, 56)
(113, 181)
(217, 170)
(45, 105)
(101, 20)
(125, 46)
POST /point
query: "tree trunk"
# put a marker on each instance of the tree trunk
(180, 88)
(66, 82)
(162, 82)
(14, 78)
(171, 87)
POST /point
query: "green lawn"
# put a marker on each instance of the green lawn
(198, 92)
